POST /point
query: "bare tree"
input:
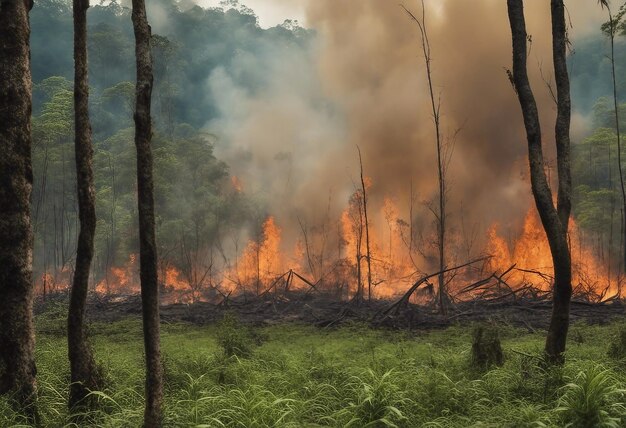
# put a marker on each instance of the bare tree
(17, 336)
(147, 240)
(83, 371)
(368, 254)
(443, 159)
(555, 220)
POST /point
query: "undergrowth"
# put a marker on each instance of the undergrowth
(229, 375)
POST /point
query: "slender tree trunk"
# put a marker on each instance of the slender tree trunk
(147, 238)
(359, 254)
(613, 29)
(17, 337)
(359, 269)
(441, 214)
(82, 365)
(367, 232)
(554, 219)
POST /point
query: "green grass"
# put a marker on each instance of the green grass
(300, 376)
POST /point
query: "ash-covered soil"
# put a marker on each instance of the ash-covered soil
(327, 311)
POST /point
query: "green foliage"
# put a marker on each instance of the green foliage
(194, 200)
(596, 193)
(299, 376)
(617, 347)
(593, 400)
(53, 320)
(377, 398)
(486, 348)
(234, 338)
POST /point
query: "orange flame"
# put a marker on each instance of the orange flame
(121, 280)
(236, 183)
(394, 261)
(261, 259)
(533, 259)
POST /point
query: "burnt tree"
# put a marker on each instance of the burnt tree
(368, 256)
(17, 337)
(443, 160)
(145, 198)
(555, 220)
(82, 366)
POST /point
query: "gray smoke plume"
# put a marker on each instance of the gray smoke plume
(363, 82)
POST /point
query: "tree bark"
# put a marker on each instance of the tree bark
(17, 337)
(83, 372)
(147, 239)
(555, 220)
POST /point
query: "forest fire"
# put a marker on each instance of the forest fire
(531, 260)
(237, 184)
(397, 257)
(264, 196)
(220, 227)
(121, 280)
(260, 261)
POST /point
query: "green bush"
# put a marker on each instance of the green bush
(593, 400)
(486, 348)
(375, 401)
(234, 338)
(617, 347)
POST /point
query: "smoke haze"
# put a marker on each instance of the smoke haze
(363, 83)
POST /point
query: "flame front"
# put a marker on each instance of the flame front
(532, 259)
(396, 258)
(261, 260)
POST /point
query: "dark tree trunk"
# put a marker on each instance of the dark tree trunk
(147, 239)
(17, 338)
(368, 256)
(555, 220)
(441, 214)
(82, 365)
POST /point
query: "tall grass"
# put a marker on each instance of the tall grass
(298, 376)
(594, 399)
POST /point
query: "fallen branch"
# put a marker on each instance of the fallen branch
(404, 300)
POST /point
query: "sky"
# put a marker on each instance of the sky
(585, 14)
(271, 12)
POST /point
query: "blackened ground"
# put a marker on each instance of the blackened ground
(326, 311)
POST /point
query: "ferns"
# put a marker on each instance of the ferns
(353, 377)
(376, 401)
(593, 400)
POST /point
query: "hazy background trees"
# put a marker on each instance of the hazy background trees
(195, 200)
(198, 207)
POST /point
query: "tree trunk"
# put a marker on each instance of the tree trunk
(82, 365)
(613, 27)
(17, 338)
(147, 239)
(555, 220)
(441, 214)
(367, 232)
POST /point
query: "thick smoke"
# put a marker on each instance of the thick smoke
(372, 65)
(363, 83)
(279, 137)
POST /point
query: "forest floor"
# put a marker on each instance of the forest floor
(327, 311)
(282, 372)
